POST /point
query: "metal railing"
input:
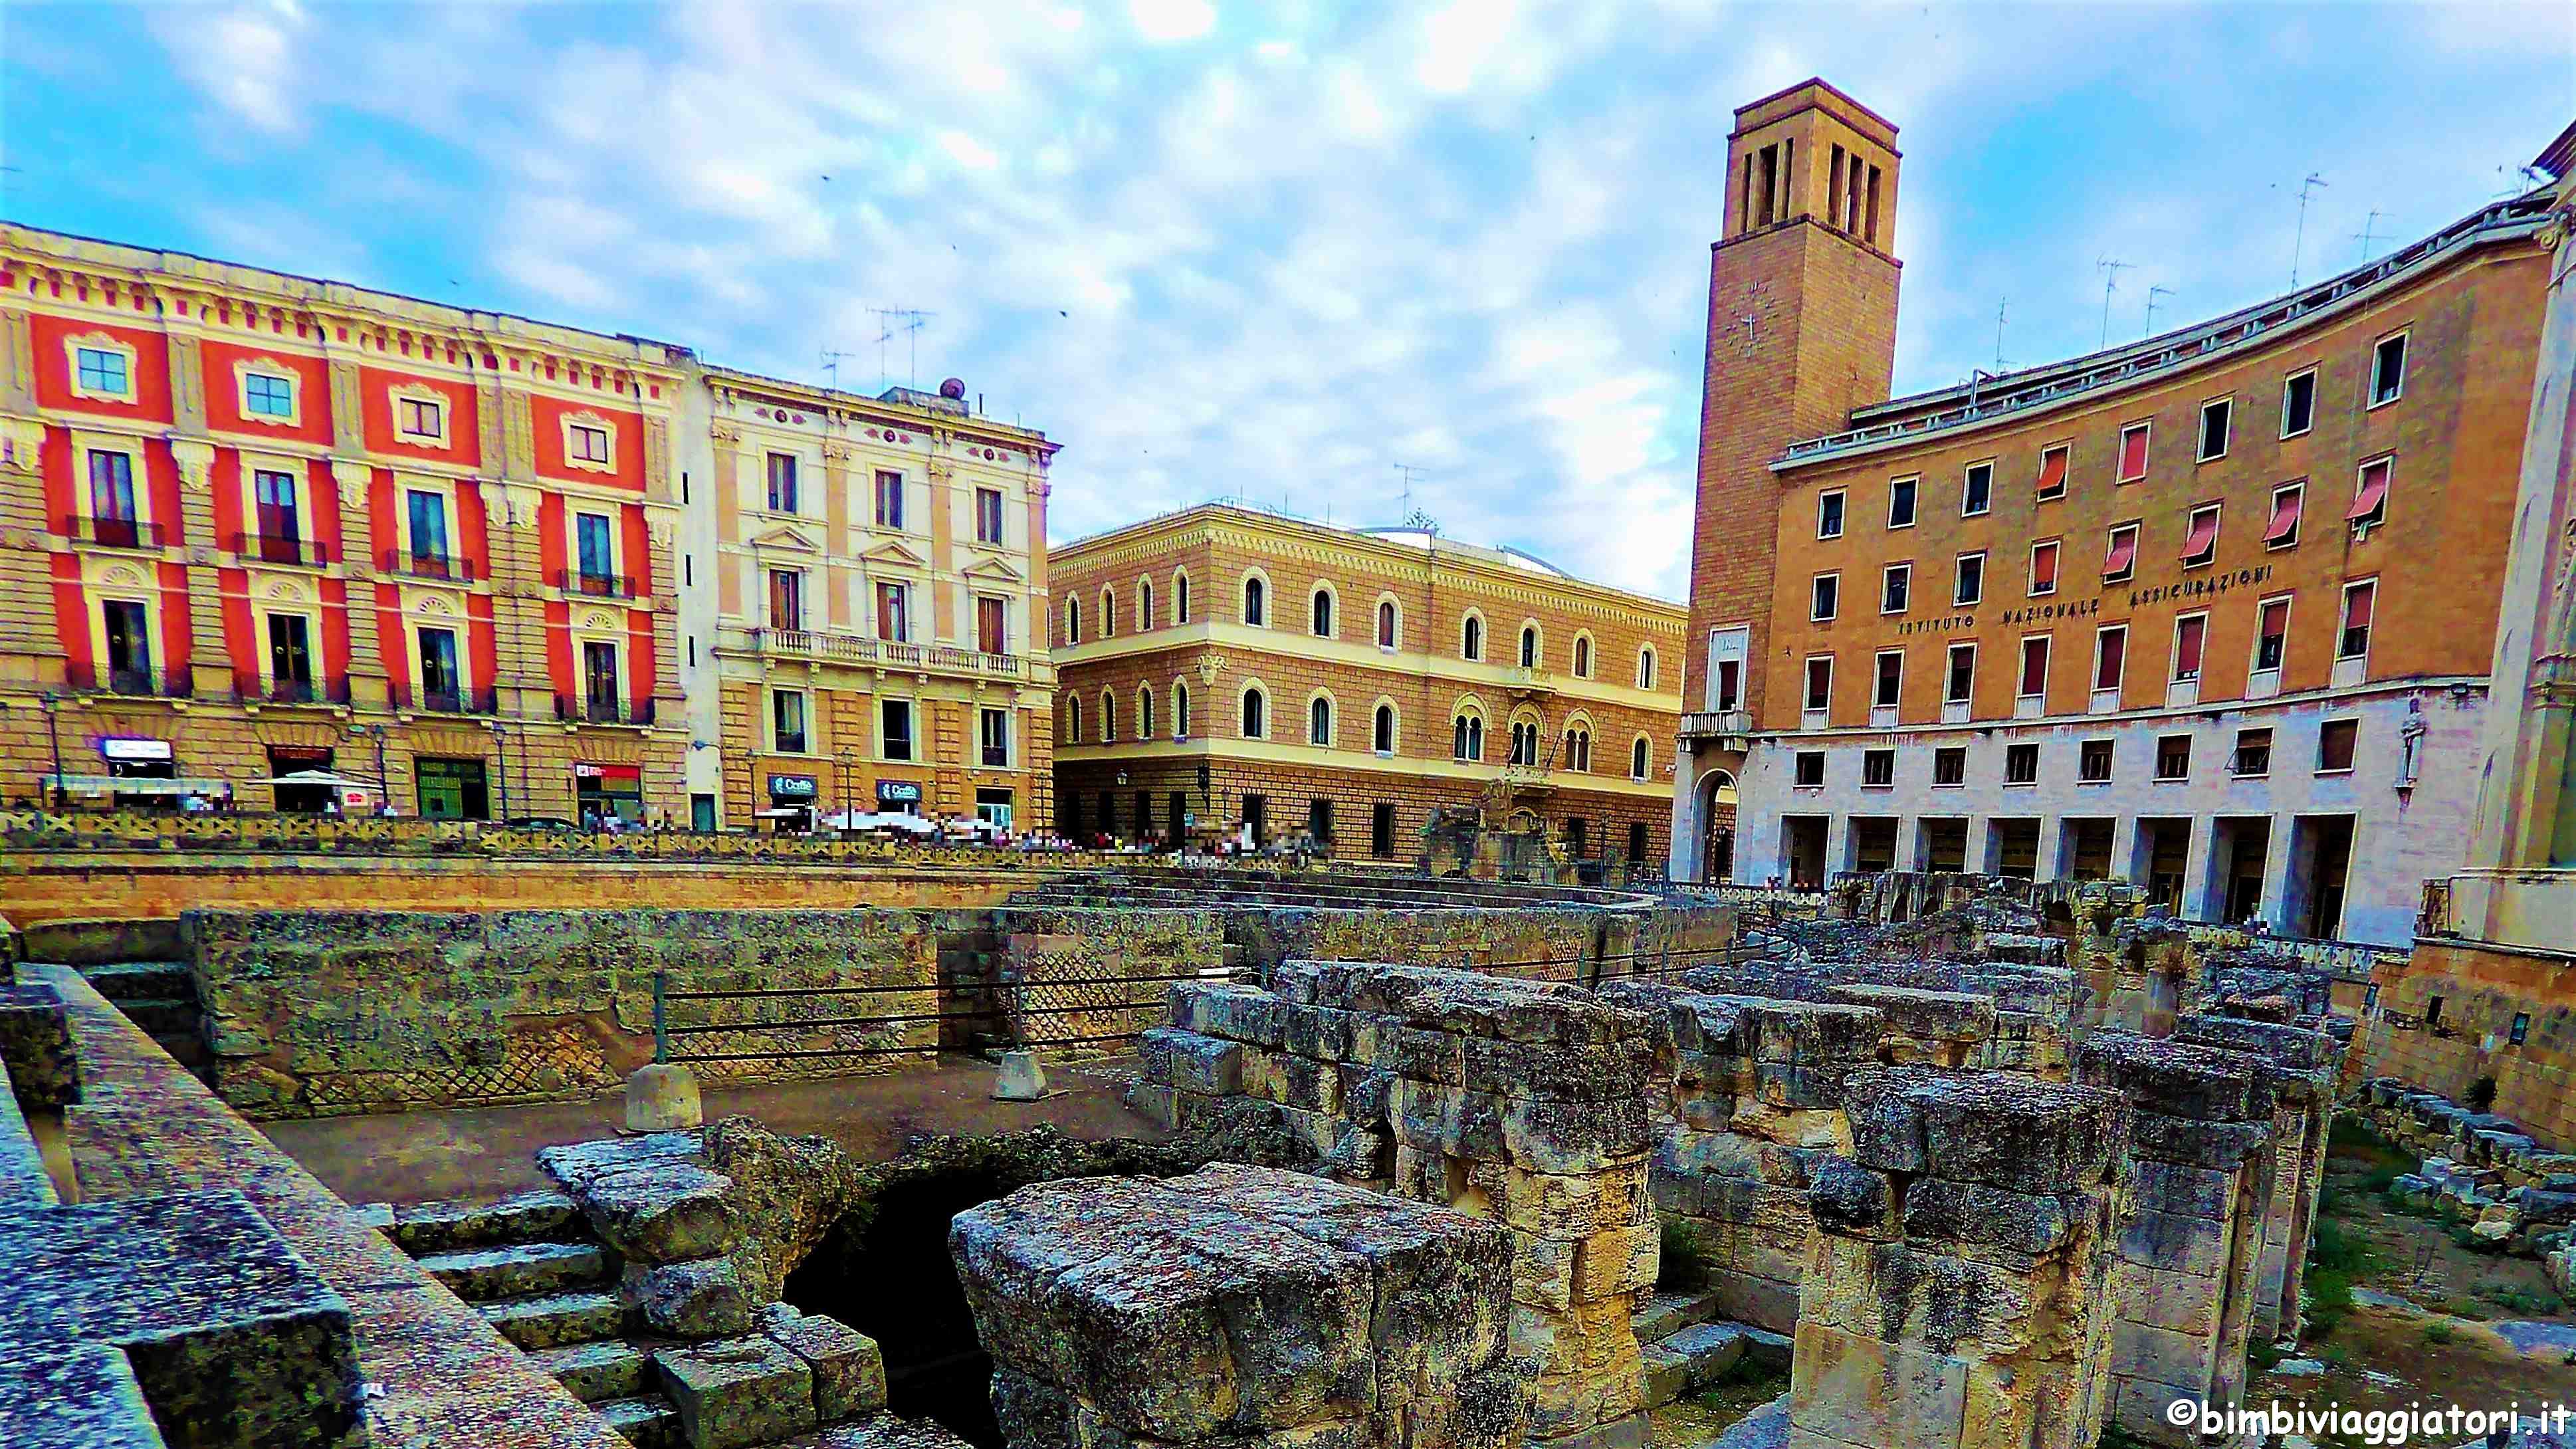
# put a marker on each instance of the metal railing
(282, 548)
(444, 701)
(294, 691)
(596, 586)
(595, 709)
(445, 568)
(112, 532)
(138, 682)
(1002, 1019)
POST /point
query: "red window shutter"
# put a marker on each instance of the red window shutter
(2133, 455)
(2052, 471)
(2203, 536)
(2356, 606)
(2115, 648)
(2276, 620)
(2034, 665)
(2187, 642)
(2285, 516)
(2043, 567)
(2124, 552)
(2373, 491)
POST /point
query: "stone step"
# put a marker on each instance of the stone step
(597, 1372)
(520, 1270)
(1666, 1314)
(446, 1227)
(1700, 1354)
(125, 981)
(166, 1018)
(647, 1420)
(551, 1320)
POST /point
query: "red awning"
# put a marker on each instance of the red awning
(2373, 491)
(2133, 455)
(2187, 642)
(2285, 516)
(2124, 552)
(2202, 538)
(2052, 471)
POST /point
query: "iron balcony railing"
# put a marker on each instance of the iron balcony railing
(281, 548)
(1699, 724)
(595, 709)
(140, 682)
(594, 585)
(860, 649)
(111, 532)
(446, 568)
(294, 691)
(445, 701)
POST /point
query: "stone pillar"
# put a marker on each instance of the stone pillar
(1953, 1293)
(1247, 1306)
(2300, 1065)
(2182, 1276)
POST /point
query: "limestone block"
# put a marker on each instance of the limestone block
(2173, 1241)
(1617, 1262)
(1573, 1136)
(2176, 1078)
(1572, 1205)
(1319, 1033)
(664, 1212)
(1517, 1069)
(1365, 1093)
(2023, 1136)
(1903, 1293)
(738, 1391)
(2182, 1302)
(2173, 1187)
(1861, 1391)
(848, 1370)
(1233, 1013)
(36, 1046)
(1189, 1061)
(701, 1299)
(1850, 1199)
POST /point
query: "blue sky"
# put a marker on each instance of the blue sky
(1276, 249)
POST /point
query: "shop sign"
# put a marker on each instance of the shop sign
(791, 787)
(898, 792)
(133, 748)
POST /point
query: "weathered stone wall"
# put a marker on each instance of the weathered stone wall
(320, 1012)
(2299, 1065)
(2482, 991)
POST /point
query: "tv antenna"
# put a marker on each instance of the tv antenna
(2000, 304)
(1414, 517)
(2111, 271)
(2299, 241)
(831, 363)
(908, 321)
(2369, 233)
(2152, 294)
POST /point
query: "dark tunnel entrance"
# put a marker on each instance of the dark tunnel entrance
(887, 1274)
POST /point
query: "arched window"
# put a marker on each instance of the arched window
(1255, 594)
(1524, 743)
(1073, 621)
(1577, 754)
(1180, 598)
(1645, 669)
(1382, 733)
(1073, 719)
(1637, 759)
(1108, 716)
(1108, 611)
(1319, 721)
(1144, 605)
(1471, 639)
(1386, 624)
(1256, 714)
(1180, 709)
(1529, 646)
(1144, 711)
(1323, 613)
(1467, 736)
(1583, 656)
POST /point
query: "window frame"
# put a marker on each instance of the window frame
(2173, 659)
(1961, 598)
(1901, 575)
(1950, 694)
(2298, 522)
(401, 399)
(2159, 773)
(1330, 626)
(1252, 597)
(1878, 760)
(2405, 354)
(2018, 750)
(106, 346)
(2378, 514)
(2040, 492)
(2216, 513)
(2129, 572)
(2254, 657)
(1807, 685)
(2021, 666)
(1471, 636)
(2110, 748)
(2226, 429)
(888, 489)
(1944, 755)
(999, 517)
(1841, 497)
(578, 425)
(2287, 381)
(805, 720)
(252, 371)
(1798, 762)
(2056, 567)
(2343, 625)
(1912, 486)
(1252, 708)
(1828, 582)
(2120, 476)
(1883, 695)
(2120, 679)
(2350, 723)
(1966, 475)
(1646, 666)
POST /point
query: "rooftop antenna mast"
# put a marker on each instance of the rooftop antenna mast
(2299, 242)
(2000, 304)
(2111, 271)
(2152, 294)
(906, 320)
(832, 366)
(1414, 517)
(2369, 233)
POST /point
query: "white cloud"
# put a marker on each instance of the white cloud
(240, 57)
(1163, 21)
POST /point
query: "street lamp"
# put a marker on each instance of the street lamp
(501, 746)
(54, 735)
(384, 789)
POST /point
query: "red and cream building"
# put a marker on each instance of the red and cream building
(2212, 612)
(253, 524)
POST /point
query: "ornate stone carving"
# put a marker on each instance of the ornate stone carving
(22, 444)
(657, 457)
(348, 409)
(196, 462)
(187, 383)
(518, 435)
(17, 361)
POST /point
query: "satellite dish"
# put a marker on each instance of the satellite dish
(954, 387)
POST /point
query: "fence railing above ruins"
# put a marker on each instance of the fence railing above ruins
(2343, 960)
(825, 1023)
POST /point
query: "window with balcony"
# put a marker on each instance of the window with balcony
(1877, 768)
(2173, 757)
(2336, 739)
(2388, 370)
(2052, 472)
(889, 499)
(1810, 769)
(290, 657)
(602, 699)
(2133, 452)
(988, 516)
(2298, 403)
(2359, 600)
(993, 737)
(2021, 764)
(275, 514)
(2093, 762)
(992, 620)
(1730, 685)
(1961, 685)
(1950, 765)
(782, 483)
(2043, 568)
(2120, 559)
(126, 627)
(595, 550)
(2252, 757)
(2216, 416)
(1900, 502)
(1829, 514)
(2281, 530)
(113, 518)
(787, 721)
(425, 513)
(2200, 537)
(786, 599)
(1825, 598)
(1968, 586)
(1977, 490)
(894, 729)
(442, 684)
(1896, 584)
(893, 612)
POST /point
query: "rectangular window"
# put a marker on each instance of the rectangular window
(1826, 598)
(1319, 819)
(420, 418)
(894, 729)
(128, 631)
(1636, 841)
(599, 680)
(279, 520)
(1878, 767)
(2191, 632)
(2370, 492)
(1961, 684)
(1977, 494)
(2034, 667)
(2252, 757)
(595, 547)
(2120, 560)
(994, 735)
(102, 370)
(889, 499)
(1810, 768)
(1820, 681)
(589, 444)
(2093, 762)
(2282, 529)
(1891, 678)
(786, 599)
(2335, 741)
(1730, 683)
(1950, 765)
(2200, 536)
(2043, 568)
(2388, 370)
(290, 656)
(2173, 757)
(1894, 585)
(891, 623)
(1969, 586)
(988, 515)
(1900, 502)
(2021, 764)
(427, 514)
(441, 685)
(2133, 452)
(113, 520)
(267, 395)
(2358, 602)
(1829, 514)
(782, 483)
(787, 721)
(2271, 633)
(2052, 472)
(991, 631)
(2298, 403)
(2215, 417)
(2110, 656)
(1382, 830)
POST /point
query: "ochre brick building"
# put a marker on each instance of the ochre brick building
(866, 598)
(2213, 611)
(254, 524)
(1223, 669)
